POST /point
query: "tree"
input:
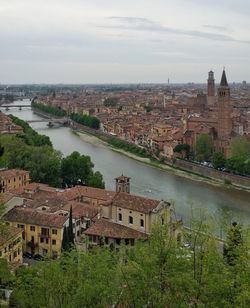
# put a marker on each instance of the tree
(204, 147)
(76, 169)
(96, 180)
(218, 160)
(234, 240)
(70, 229)
(65, 239)
(110, 101)
(184, 149)
(240, 147)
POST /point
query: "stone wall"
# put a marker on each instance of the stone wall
(213, 173)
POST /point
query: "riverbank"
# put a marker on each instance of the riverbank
(212, 177)
(88, 137)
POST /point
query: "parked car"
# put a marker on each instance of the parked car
(38, 257)
(27, 255)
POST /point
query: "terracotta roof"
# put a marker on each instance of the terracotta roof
(89, 192)
(135, 203)
(9, 233)
(80, 209)
(33, 217)
(10, 173)
(103, 227)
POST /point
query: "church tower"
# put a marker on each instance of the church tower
(211, 89)
(224, 115)
(123, 184)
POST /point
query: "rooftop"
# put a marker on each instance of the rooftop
(103, 227)
(33, 217)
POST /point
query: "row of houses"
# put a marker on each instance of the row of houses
(112, 218)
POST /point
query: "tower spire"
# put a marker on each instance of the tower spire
(224, 82)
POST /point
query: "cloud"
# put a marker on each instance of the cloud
(145, 24)
(215, 27)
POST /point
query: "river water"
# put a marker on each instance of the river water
(190, 197)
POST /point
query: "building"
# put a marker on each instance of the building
(42, 232)
(211, 89)
(13, 178)
(225, 125)
(11, 245)
(123, 184)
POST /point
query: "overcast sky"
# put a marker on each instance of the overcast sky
(123, 41)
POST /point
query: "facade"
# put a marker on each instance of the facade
(11, 179)
(42, 232)
(11, 245)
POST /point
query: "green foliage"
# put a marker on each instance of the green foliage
(204, 147)
(30, 136)
(240, 147)
(86, 120)
(78, 170)
(218, 160)
(148, 108)
(110, 101)
(96, 180)
(154, 273)
(49, 109)
(43, 162)
(126, 146)
(233, 243)
(183, 148)
(70, 229)
(65, 239)
(238, 165)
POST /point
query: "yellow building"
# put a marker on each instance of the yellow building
(11, 245)
(42, 232)
(13, 178)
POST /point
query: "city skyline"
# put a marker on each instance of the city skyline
(123, 42)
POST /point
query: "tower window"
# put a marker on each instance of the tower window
(120, 217)
(142, 223)
(130, 218)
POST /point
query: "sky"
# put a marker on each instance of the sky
(123, 41)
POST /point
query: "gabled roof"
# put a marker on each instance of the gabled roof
(33, 217)
(135, 203)
(103, 227)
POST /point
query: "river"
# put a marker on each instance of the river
(190, 197)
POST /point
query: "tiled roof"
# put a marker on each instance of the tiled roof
(103, 227)
(7, 234)
(80, 209)
(10, 173)
(135, 203)
(34, 217)
(89, 192)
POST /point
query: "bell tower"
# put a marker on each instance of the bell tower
(224, 115)
(211, 89)
(123, 184)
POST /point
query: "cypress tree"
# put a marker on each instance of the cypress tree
(65, 240)
(70, 228)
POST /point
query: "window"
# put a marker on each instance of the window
(20, 226)
(14, 179)
(45, 231)
(142, 223)
(132, 242)
(47, 241)
(106, 240)
(78, 233)
(118, 241)
(120, 217)
(41, 240)
(130, 219)
(94, 239)
(54, 231)
(32, 228)
(53, 242)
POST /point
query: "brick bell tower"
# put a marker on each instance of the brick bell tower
(224, 116)
(211, 89)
